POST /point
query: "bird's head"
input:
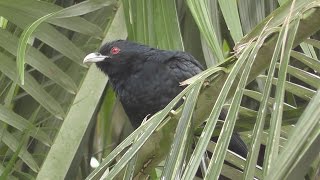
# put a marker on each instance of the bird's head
(117, 56)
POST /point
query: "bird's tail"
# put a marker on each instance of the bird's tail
(238, 146)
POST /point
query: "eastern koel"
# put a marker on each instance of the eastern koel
(146, 79)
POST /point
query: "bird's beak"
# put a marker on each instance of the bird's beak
(94, 57)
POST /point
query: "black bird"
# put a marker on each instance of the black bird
(146, 79)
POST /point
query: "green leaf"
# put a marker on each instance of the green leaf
(80, 113)
(21, 149)
(313, 42)
(204, 139)
(32, 10)
(296, 89)
(230, 12)
(260, 123)
(67, 12)
(235, 160)
(22, 124)
(272, 148)
(166, 25)
(86, 102)
(304, 76)
(202, 17)
(311, 62)
(220, 151)
(39, 61)
(154, 23)
(13, 143)
(32, 87)
(259, 96)
(305, 133)
(179, 147)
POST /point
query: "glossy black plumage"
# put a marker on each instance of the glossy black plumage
(144, 78)
(147, 79)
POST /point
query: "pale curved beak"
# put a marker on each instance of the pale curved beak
(94, 57)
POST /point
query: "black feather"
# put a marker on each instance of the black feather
(147, 79)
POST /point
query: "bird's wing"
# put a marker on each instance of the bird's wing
(182, 65)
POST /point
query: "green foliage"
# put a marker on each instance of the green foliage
(53, 120)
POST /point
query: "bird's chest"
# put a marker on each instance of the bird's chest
(148, 90)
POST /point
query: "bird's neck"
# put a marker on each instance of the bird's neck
(118, 81)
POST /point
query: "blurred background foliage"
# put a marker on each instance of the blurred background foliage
(64, 120)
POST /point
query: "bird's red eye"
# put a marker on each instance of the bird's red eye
(115, 50)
